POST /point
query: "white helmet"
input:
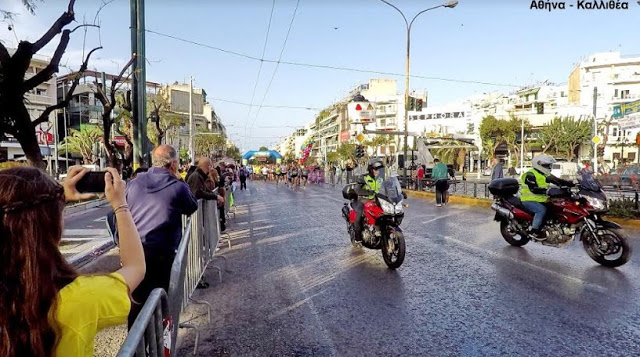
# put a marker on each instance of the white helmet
(543, 163)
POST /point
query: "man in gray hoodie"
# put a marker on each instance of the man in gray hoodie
(157, 200)
(498, 170)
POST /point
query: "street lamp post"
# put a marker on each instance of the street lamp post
(449, 4)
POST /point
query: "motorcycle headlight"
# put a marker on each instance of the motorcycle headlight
(387, 207)
(596, 203)
(399, 208)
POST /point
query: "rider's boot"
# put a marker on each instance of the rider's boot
(538, 233)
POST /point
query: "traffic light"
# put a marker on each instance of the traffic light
(419, 105)
(360, 151)
(600, 150)
(412, 103)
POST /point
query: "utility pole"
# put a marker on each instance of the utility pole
(595, 131)
(191, 139)
(138, 82)
(64, 114)
(449, 4)
(521, 146)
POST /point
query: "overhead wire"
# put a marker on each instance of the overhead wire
(273, 75)
(265, 105)
(340, 68)
(264, 49)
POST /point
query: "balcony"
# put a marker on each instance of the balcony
(39, 99)
(627, 98)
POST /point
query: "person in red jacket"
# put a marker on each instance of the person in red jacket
(420, 176)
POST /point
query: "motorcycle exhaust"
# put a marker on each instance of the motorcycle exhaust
(502, 211)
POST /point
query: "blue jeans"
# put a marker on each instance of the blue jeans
(539, 210)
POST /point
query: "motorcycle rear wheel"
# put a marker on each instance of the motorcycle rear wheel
(610, 236)
(514, 238)
(393, 249)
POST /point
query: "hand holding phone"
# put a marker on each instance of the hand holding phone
(71, 191)
(92, 181)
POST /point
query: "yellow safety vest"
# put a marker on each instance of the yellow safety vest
(371, 184)
(526, 194)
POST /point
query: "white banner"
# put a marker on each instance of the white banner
(629, 122)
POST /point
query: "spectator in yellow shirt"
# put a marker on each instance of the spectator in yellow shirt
(46, 307)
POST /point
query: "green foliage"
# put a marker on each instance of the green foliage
(234, 153)
(623, 208)
(206, 142)
(10, 164)
(347, 151)
(333, 157)
(263, 148)
(81, 142)
(494, 132)
(564, 135)
(160, 118)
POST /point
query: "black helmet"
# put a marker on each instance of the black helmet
(374, 165)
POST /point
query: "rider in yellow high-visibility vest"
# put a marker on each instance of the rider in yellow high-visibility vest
(371, 185)
(533, 190)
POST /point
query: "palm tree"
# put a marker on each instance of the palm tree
(81, 142)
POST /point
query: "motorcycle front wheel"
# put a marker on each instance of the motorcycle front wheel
(614, 249)
(511, 236)
(393, 249)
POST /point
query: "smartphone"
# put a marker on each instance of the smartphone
(92, 181)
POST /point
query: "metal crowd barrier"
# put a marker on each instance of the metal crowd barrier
(148, 329)
(201, 234)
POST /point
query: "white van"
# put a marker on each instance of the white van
(565, 170)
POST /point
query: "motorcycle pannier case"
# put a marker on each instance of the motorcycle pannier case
(349, 192)
(504, 187)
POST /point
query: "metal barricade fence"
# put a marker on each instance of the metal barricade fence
(201, 234)
(148, 329)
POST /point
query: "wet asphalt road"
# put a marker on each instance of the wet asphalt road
(298, 288)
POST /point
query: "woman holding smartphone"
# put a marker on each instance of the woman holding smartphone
(48, 309)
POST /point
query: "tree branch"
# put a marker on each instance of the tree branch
(116, 80)
(51, 68)
(45, 114)
(4, 55)
(64, 19)
(84, 25)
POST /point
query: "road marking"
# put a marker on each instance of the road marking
(314, 311)
(586, 284)
(101, 219)
(85, 233)
(439, 217)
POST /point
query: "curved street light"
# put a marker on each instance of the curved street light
(449, 4)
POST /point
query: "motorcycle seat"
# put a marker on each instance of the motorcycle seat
(516, 202)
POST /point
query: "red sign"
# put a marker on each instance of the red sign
(120, 140)
(344, 136)
(261, 159)
(358, 107)
(44, 138)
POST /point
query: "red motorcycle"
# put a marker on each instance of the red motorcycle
(381, 219)
(572, 214)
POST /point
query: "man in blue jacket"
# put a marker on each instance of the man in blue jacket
(158, 199)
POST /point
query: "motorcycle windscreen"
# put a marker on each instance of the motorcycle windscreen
(392, 189)
(588, 182)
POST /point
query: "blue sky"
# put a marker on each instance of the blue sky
(498, 41)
